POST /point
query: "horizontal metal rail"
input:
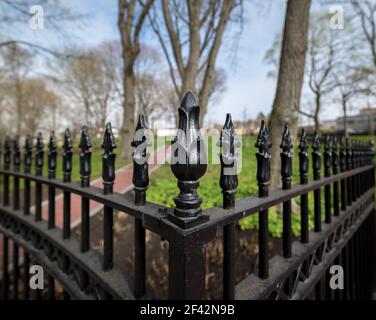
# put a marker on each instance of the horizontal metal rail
(115, 282)
(255, 288)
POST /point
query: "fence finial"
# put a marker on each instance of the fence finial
(85, 157)
(303, 158)
(263, 143)
(316, 156)
(229, 178)
(188, 164)
(16, 154)
(349, 154)
(335, 162)
(28, 153)
(286, 158)
(39, 153)
(140, 179)
(108, 159)
(342, 154)
(52, 146)
(67, 156)
(327, 155)
(7, 152)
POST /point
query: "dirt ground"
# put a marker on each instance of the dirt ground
(157, 254)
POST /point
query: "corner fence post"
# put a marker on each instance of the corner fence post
(188, 164)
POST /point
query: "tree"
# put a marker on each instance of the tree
(322, 46)
(15, 65)
(191, 35)
(90, 78)
(286, 103)
(131, 19)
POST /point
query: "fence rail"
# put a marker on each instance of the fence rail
(345, 237)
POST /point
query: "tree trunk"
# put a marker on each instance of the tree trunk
(290, 79)
(317, 111)
(345, 128)
(128, 112)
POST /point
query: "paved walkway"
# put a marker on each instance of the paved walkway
(123, 183)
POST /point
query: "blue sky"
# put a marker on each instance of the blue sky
(247, 84)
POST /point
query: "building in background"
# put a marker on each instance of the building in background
(362, 123)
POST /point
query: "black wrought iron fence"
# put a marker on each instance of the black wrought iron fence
(346, 236)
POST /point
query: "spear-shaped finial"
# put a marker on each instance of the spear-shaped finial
(263, 143)
(316, 156)
(52, 146)
(7, 152)
(28, 153)
(229, 178)
(39, 153)
(286, 158)
(188, 164)
(85, 157)
(67, 156)
(303, 158)
(108, 159)
(327, 155)
(349, 154)
(335, 155)
(140, 179)
(16, 154)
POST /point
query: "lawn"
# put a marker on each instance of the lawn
(163, 188)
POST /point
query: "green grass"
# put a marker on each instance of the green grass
(163, 187)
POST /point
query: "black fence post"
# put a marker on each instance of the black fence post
(188, 164)
(52, 146)
(67, 172)
(286, 172)
(39, 154)
(263, 157)
(108, 176)
(303, 169)
(140, 179)
(349, 167)
(85, 171)
(335, 163)
(228, 183)
(16, 168)
(316, 164)
(342, 162)
(6, 166)
(27, 168)
(327, 165)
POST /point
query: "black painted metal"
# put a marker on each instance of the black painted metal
(188, 164)
(228, 182)
(39, 154)
(316, 165)
(303, 169)
(286, 172)
(345, 238)
(140, 180)
(85, 171)
(263, 157)
(335, 164)
(27, 167)
(108, 176)
(327, 173)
